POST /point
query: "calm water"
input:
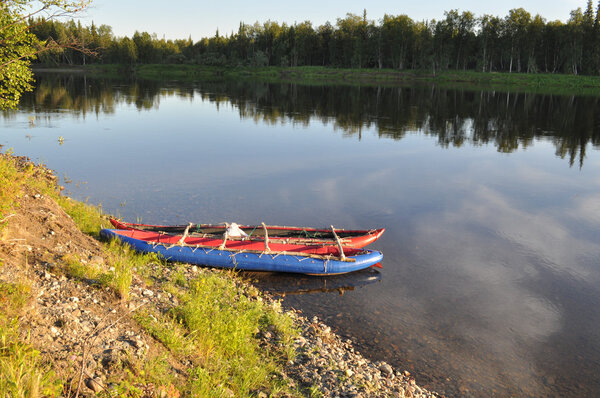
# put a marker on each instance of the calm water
(491, 278)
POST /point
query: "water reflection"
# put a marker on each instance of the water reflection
(507, 120)
(284, 284)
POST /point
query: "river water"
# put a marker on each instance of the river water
(491, 200)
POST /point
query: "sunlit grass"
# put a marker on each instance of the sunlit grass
(22, 373)
(122, 261)
(88, 218)
(216, 327)
(11, 183)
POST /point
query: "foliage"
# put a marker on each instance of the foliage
(518, 42)
(18, 45)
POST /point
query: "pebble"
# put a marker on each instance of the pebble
(323, 361)
(94, 384)
(387, 369)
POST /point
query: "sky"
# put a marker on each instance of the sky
(179, 19)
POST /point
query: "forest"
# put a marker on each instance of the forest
(517, 42)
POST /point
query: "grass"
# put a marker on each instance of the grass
(88, 218)
(11, 181)
(122, 261)
(315, 75)
(22, 373)
(216, 326)
(14, 177)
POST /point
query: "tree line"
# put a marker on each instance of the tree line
(518, 42)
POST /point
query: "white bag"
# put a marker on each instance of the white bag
(234, 231)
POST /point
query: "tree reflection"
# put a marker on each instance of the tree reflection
(508, 121)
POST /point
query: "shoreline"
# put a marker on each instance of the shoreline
(96, 335)
(542, 83)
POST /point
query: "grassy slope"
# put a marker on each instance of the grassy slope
(215, 326)
(540, 82)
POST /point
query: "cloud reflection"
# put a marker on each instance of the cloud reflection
(496, 278)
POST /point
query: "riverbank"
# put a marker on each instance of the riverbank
(84, 316)
(522, 82)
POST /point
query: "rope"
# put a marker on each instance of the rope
(267, 248)
(250, 234)
(185, 234)
(225, 236)
(339, 242)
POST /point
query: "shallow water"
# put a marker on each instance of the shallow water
(491, 202)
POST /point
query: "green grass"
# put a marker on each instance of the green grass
(12, 180)
(122, 261)
(138, 377)
(314, 75)
(88, 218)
(14, 177)
(22, 373)
(216, 326)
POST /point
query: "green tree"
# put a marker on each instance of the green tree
(517, 27)
(398, 38)
(18, 45)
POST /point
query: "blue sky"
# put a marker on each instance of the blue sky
(178, 19)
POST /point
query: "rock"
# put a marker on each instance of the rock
(91, 364)
(94, 384)
(110, 358)
(386, 369)
(147, 293)
(194, 269)
(301, 341)
(138, 343)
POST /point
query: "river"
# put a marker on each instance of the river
(491, 202)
